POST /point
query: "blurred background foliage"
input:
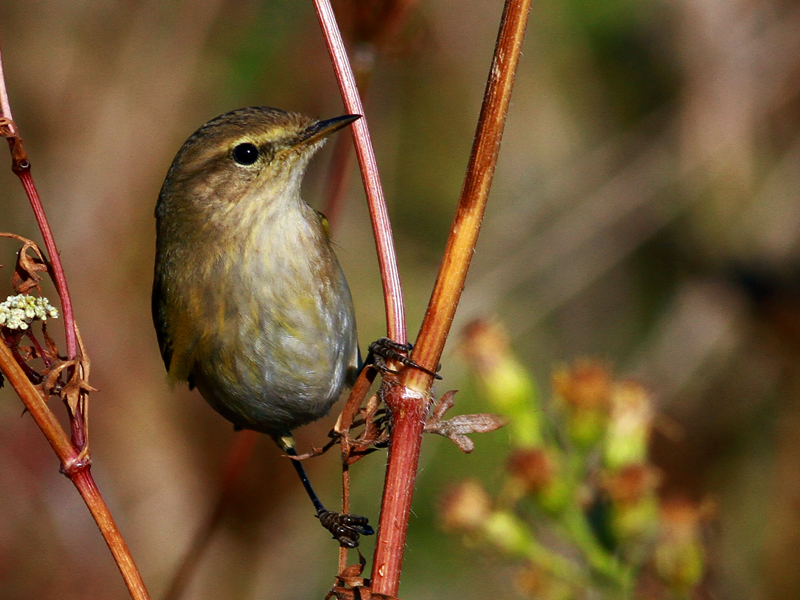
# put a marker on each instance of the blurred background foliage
(644, 212)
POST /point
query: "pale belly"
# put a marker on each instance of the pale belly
(281, 352)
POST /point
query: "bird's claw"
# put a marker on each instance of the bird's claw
(346, 528)
(384, 349)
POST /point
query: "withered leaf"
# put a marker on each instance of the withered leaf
(457, 428)
(351, 575)
(26, 274)
(27, 352)
(72, 392)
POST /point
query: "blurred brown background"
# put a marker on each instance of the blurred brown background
(644, 212)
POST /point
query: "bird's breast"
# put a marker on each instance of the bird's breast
(274, 325)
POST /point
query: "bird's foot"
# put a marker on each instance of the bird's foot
(385, 349)
(346, 528)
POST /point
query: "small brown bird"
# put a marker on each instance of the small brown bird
(250, 303)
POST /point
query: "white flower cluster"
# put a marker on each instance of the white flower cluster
(17, 311)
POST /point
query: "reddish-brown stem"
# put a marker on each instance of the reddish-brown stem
(33, 402)
(408, 421)
(387, 259)
(39, 350)
(55, 260)
(345, 509)
(12, 341)
(119, 549)
(74, 465)
(354, 401)
(22, 168)
(408, 397)
(474, 194)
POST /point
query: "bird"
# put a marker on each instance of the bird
(250, 303)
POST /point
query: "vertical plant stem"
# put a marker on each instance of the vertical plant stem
(474, 194)
(387, 259)
(408, 422)
(87, 488)
(22, 168)
(409, 404)
(345, 509)
(59, 277)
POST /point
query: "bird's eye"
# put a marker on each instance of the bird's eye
(245, 154)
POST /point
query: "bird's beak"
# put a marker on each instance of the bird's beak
(323, 129)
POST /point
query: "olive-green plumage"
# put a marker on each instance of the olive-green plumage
(249, 301)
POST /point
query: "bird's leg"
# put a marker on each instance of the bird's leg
(384, 349)
(346, 528)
